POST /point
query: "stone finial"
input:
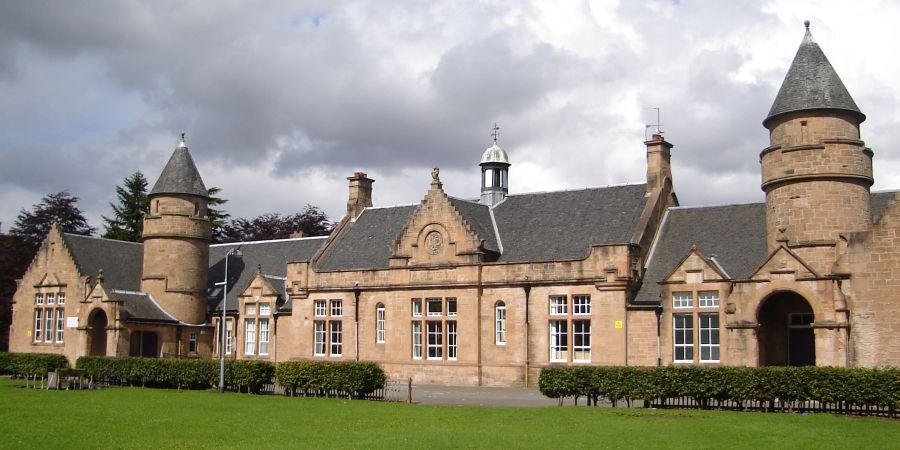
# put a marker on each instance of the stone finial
(435, 175)
(806, 24)
(100, 277)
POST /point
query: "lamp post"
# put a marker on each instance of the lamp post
(237, 253)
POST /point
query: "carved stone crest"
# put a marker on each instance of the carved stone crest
(434, 242)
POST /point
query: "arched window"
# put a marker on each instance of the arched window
(379, 323)
(500, 323)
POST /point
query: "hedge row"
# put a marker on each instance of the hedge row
(31, 364)
(347, 379)
(826, 385)
(240, 375)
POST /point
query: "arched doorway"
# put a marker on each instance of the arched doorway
(785, 335)
(97, 332)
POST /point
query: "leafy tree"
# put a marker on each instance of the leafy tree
(33, 226)
(127, 223)
(312, 221)
(15, 255)
(216, 215)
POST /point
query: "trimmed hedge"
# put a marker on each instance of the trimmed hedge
(31, 364)
(346, 379)
(844, 387)
(177, 373)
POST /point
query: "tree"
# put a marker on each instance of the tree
(216, 216)
(15, 255)
(60, 207)
(127, 223)
(312, 221)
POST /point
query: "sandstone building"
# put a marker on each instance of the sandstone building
(487, 291)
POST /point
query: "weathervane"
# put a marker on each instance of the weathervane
(496, 133)
(657, 125)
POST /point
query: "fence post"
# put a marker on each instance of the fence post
(409, 390)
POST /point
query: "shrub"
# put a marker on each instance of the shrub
(350, 379)
(31, 364)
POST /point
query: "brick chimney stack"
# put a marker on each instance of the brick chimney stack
(659, 166)
(360, 194)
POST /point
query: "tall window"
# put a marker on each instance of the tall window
(48, 325)
(38, 324)
(435, 340)
(328, 333)
(250, 340)
(229, 336)
(60, 322)
(559, 341)
(451, 339)
(336, 338)
(575, 317)
(192, 343)
(682, 300)
(709, 337)
(319, 338)
(581, 340)
(49, 320)
(684, 337)
(417, 340)
(500, 323)
(379, 324)
(263, 336)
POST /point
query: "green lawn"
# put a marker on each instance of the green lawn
(134, 417)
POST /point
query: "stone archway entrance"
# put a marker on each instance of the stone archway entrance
(97, 324)
(785, 334)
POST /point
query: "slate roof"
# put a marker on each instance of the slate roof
(180, 176)
(479, 217)
(543, 226)
(122, 262)
(734, 236)
(368, 242)
(812, 83)
(563, 225)
(139, 306)
(879, 201)
(271, 256)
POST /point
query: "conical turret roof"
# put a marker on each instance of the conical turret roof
(180, 176)
(811, 83)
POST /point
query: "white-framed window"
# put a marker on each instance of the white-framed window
(417, 307)
(60, 323)
(265, 309)
(61, 298)
(38, 325)
(192, 343)
(263, 336)
(451, 307)
(417, 340)
(708, 299)
(581, 340)
(319, 338)
(51, 298)
(451, 340)
(709, 337)
(39, 299)
(558, 305)
(337, 308)
(581, 305)
(435, 340)
(684, 337)
(250, 309)
(682, 300)
(500, 323)
(434, 307)
(337, 342)
(48, 325)
(379, 323)
(250, 337)
(559, 341)
(229, 336)
(320, 308)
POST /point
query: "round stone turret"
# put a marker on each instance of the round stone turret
(177, 233)
(816, 172)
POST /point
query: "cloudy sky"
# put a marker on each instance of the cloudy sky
(282, 101)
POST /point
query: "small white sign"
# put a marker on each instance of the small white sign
(71, 322)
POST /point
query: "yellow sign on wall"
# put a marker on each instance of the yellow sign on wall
(28, 333)
(619, 324)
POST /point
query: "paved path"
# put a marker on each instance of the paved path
(483, 396)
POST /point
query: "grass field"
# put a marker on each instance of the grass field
(135, 417)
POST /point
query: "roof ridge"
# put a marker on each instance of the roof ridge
(714, 206)
(588, 188)
(266, 241)
(101, 238)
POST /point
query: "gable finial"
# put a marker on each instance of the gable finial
(182, 144)
(100, 277)
(436, 175)
(496, 133)
(806, 24)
